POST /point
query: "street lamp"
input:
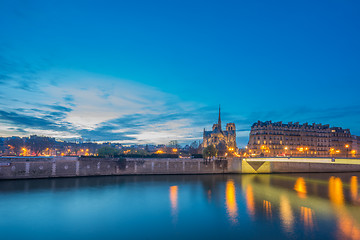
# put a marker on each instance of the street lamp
(331, 151)
(347, 150)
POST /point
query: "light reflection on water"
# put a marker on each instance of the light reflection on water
(286, 213)
(231, 204)
(174, 201)
(354, 188)
(321, 206)
(300, 187)
(250, 200)
(307, 218)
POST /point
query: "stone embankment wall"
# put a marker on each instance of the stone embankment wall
(17, 168)
(293, 165)
(20, 168)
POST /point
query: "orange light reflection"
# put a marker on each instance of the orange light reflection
(336, 193)
(354, 188)
(250, 202)
(231, 204)
(300, 187)
(174, 199)
(307, 217)
(286, 214)
(267, 209)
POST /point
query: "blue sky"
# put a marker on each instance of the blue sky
(155, 71)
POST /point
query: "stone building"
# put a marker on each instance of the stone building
(223, 140)
(294, 139)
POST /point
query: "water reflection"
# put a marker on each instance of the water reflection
(336, 194)
(209, 195)
(267, 209)
(354, 188)
(320, 206)
(300, 187)
(174, 201)
(250, 203)
(348, 227)
(307, 218)
(317, 198)
(286, 213)
(230, 197)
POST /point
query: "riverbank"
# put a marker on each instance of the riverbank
(52, 167)
(20, 168)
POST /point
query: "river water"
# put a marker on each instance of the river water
(274, 206)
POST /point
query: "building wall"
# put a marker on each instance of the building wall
(221, 139)
(294, 139)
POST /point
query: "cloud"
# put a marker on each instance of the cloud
(59, 108)
(100, 108)
(30, 121)
(69, 104)
(69, 99)
(19, 73)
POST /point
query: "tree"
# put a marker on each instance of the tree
(39, 144)
(15, 144)
(209, 151)
(108, 151)
(174, 144)
(194, 147)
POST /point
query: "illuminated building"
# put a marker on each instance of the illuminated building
(222, 140)
(294, 139)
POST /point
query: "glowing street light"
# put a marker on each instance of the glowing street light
(347, 149)
(24, 151)
(353, 152)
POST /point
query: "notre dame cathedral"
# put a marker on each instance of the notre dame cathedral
(222, 140)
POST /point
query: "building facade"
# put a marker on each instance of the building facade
(294, 139)
(224, 141)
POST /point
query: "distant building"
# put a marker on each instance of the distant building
(355, 147)
(294, 139)
(222, 140)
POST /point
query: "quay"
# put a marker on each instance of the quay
(52, 167)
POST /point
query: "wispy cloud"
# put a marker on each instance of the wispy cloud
(98, 108)
(67, 104)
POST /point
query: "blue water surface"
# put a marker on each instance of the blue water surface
(277, 206)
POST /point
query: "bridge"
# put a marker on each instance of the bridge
(293, 165)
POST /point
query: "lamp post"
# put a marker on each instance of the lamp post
(347, 150)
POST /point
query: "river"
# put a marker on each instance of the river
(262, 206)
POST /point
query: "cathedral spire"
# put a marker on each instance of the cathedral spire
(219, 121)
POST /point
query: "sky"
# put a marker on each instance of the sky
(141, 72)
